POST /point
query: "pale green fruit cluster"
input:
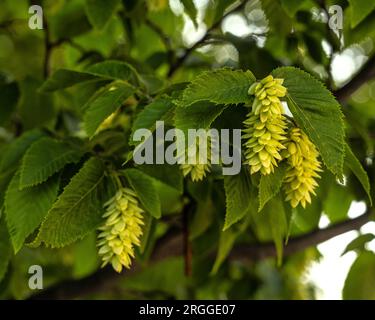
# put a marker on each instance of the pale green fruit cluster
(198, 170)
(303, 168)
(122, 229)
(265, 126)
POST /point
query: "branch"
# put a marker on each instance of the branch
(297, 244)
(171, 245)
(179, 62)
(365, 74)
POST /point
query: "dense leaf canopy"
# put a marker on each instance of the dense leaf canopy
(74, 93)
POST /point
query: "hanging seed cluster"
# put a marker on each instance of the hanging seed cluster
(269, 139)
(265, 126)
(198, 170)
(122, 229)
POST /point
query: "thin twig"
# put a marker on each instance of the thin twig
(179, 62)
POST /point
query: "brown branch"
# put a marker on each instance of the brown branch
(171, 245)
(179, 62)
(267, 250)
(366, 73)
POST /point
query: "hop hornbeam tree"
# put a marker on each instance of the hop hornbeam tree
(74, 201)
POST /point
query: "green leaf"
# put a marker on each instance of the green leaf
(148, 232)
(44, 158)
(337, 203)
(270, 185)
(191, 10)
(202, 219)
(359, 242)
(15, 151)
(355, 166)
(318, 113)
(238, 197)
(9, 94)
(360, 10)
(99, 11)
(104, 105)
(35, 108)
(5, 249)
(275, 213)
(198, 116)
(278, 21)
(144, 186)
(271, 224)
(110, 70)
(25, 209)
(226, 243)
(85, 256)
(222, 86)
(171, 175)
(158, 110)
(360, 282)
(64, 78)
(78, 209)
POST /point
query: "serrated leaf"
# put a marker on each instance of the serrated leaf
(158, 110)
(355, 166)
(238, 197)
(44, 158)
(270, 185)
(198, 116)
(25, 209)
(104, 105)
(5, 248)
(64, 78)
(360, 282)
(191, 10)
(316, 112)
(359, 242)
(222, 86)
(99, 11)
(360, 10)
(144, 186)
(110, 69)
(78, 209)
(15, 151)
